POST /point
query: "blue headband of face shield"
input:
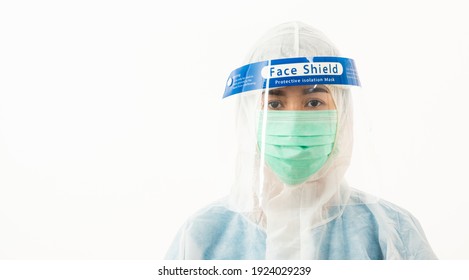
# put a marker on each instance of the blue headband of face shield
(295, 71)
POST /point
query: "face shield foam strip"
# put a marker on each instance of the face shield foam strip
(296, 71)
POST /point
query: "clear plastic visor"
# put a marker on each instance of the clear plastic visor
(297, 130)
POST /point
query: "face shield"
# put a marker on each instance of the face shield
(297, 119)
(296, 104)
(294, 129)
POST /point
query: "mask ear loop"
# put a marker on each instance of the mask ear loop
(263, 136)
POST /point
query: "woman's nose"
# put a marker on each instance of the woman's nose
(294, 106)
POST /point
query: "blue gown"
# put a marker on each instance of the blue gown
(374, 231)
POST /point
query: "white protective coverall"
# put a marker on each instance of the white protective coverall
(322, 218)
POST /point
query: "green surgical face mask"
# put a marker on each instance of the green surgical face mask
(297, 143)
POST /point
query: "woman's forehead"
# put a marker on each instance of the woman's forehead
(305, 89)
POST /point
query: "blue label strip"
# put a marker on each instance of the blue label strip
(292, 72)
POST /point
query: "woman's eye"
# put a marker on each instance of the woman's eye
(314, 103)
(275, 105)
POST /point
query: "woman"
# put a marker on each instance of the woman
(290, 199)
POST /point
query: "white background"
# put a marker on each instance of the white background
(112, 123)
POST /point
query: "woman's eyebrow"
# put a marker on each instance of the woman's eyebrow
(314, 90)
(277, 92)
